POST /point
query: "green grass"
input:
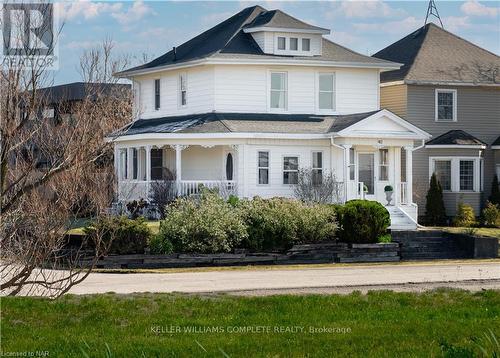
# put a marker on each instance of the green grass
(481, 231)
(377, 324)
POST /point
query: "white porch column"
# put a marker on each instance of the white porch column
(240, 174)
(347, 162)
(178, 165)
(397, 175)
(148, 168)
(409, 173)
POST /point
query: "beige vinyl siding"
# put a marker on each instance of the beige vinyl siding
(393, 98)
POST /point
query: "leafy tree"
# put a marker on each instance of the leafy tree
(495, 191)
(434, 208)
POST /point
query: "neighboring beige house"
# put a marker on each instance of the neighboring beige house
(249, 102)
(450, 88)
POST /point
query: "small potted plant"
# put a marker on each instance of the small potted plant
(388, 193)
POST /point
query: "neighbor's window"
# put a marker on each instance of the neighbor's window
(263, 167)
(278, 90)
(384, 164)
(317, 168)
(306, 44)
(135, 167)
(281, 43)
(326, 96)
(290, 170)
(446, 104)
(294, 43)
(183, 89)
(466, 175)
(157, 94)
(156, 164)
(442, 168)
(123, 163)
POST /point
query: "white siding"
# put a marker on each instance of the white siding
(268, 43)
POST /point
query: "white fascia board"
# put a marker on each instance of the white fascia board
(381, 135)
(219, 136)
(393, 83)
(450, 83)
(454, 146)
(495, 147)
(268, 61)
(287, 29)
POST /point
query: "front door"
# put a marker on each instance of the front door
(366, 173)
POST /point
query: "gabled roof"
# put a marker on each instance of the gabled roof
(215, 122)
(455, 137)
(496, 143)
(228, 40)
(280, 20)
(77, 91)
(434, 55)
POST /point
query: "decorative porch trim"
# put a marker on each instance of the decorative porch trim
(455, 146)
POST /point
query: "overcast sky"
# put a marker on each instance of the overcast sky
(153, 27)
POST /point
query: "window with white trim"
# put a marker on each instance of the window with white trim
(317, 168)
(442, 168)
(278, 90)
(306, 44)
(446, 105)
(326, 91)
(458, 174)
(290, 170)
(281, 43)
(156, 164)
(135, 162)
(123, 163)
(263, 167)
(157, 94)
(352, 164)
(183, 89)
(384, 164)
(294, 44)
(466, 175)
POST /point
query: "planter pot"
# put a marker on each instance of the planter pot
(388, 197)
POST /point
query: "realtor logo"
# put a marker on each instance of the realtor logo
(28, 35)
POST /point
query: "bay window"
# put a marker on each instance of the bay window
(458, 174)
(290, 170)
(278, 90)
(466, 175)
(442, 168)
(156, 164)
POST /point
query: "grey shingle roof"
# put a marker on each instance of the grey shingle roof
(214, 122)
(455, 137)
(77, 91)
(432, 54)
(228, 40)
(279, 19)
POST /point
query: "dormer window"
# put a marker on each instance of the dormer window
(294, 43)
(306, 44)
(281, 43)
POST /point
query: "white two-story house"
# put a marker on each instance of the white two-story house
(250, 101)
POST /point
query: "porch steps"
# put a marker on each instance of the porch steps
(400, 220)
(429, 244)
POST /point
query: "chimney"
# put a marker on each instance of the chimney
(175, 53)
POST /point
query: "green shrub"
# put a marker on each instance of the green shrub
(435, 211)
(465, 216)
(385, 238)
(207, 224)
(491, 215)
(160, 245)
(279, 223)
(362, 221)
(120, 235)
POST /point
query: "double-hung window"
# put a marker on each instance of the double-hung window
(306, 44)
(466, 175)
(263, 167)
(278, 90)
(157, 94)
(135, 162)
(317, 168)
(294, 44)
(384, 164)
(326, 95)
(183, 89)
(156, 164)
(446, 105)
(442, 169)
(352, 164)
(123, 163)
(290, 170)
(281, 43)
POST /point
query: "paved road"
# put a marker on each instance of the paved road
(380, 276)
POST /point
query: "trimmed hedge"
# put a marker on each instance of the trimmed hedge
(362, 221)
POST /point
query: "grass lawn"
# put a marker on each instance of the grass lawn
(481, 231)
(154, 325)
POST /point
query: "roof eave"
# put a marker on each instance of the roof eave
(319, 30)
(456, 146)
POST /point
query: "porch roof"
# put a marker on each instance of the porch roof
(456, 137)
(215, 122)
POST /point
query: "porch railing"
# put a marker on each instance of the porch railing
(190, 187)
(403, 193)
(355, 190)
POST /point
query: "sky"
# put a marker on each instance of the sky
(154, 27)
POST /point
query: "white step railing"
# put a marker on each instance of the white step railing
(403, 193)
(190, 187)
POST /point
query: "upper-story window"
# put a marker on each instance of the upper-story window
(278, 90)
(183, 89)
(306, 44)
(446, 105)
(294, 43)
(326, 95)
(281, 43)
(157, 94)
